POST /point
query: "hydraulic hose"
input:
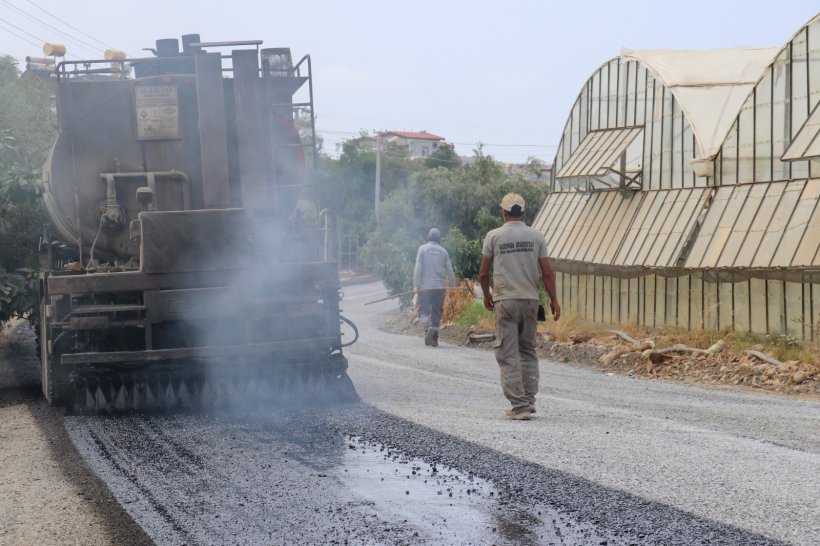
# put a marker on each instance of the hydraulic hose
(355, 330)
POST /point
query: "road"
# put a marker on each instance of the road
(429, 458)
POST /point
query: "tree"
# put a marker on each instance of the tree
(535, 167)
(27, 128)
(347, 184)
(445, 156)
(463, 203)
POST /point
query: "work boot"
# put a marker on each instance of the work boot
(521, 414)
(431, 337)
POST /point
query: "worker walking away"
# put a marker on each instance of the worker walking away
(433, 269)
(518, 256)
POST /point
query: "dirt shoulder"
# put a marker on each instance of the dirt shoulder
(47, 494)
(609, 354)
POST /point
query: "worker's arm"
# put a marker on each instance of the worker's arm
(548, 276)
(417, 272)
(484, 279)
(451, 276)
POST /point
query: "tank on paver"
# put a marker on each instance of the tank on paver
(183, 263)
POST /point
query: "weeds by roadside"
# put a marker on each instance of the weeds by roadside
(580, 342)
(783, 347)
(474, 316)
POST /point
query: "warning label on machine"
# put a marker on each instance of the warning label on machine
(157, 112)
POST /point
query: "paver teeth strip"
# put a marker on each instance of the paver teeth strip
(147, 391)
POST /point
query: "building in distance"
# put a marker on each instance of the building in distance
(419, 144)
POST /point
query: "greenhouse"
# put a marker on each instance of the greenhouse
(685, 190)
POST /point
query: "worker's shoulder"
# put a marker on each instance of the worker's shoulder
(516, 228)
(533, 231)
(495, 232)
(432, 248)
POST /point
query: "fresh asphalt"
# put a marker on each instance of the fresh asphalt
(428, 458)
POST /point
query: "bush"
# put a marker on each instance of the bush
(27, 128)
(393, 256)
(463, 203)
(465, 254)
(18, 295)
(475, 315)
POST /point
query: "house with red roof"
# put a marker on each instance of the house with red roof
(419, 144)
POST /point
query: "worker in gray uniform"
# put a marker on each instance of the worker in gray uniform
(433, 269)
(518, 256)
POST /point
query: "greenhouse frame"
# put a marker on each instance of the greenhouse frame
(685, 190)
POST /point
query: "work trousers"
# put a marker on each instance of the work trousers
(431, 303)
(515, 330)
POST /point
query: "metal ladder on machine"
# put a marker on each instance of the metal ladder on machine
(300, 107)
(277, 63)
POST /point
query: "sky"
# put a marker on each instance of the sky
(502, 73)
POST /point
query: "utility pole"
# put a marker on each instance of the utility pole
(378, 175)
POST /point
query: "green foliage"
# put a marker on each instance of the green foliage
(536, 168)
(445, 156)
(464, 253)
(347, 185)
(19, 234)
(18, 294)
(27, 127)
(393, 255)
(461, 199)
(783, 340)
(473, 315)
(469, 197)
(463, 203)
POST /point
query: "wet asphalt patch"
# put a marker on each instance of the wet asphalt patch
(356, 475)
(455, 508)
(594, 514)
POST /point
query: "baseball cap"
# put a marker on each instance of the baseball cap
(434, 235)
(510, 200)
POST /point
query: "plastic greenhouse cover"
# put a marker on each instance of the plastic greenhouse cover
(711, 86)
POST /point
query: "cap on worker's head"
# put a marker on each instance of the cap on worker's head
(434, 235)
(512, 200)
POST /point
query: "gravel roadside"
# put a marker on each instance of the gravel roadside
(47, 494)
(608, 354)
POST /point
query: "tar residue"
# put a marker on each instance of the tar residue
(274, 477)
(446, 505)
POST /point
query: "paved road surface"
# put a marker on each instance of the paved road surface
(430, 459)
(744, 460)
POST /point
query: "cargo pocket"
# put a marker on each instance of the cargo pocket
(497, 341)
(532, 330)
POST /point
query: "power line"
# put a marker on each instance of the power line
(24, 31)
(417, 122)
(42, 41)
(25, 39)
(506, 145)
(499, 145)
(82, 43)
(70, 25)
(461, 131)
(338, 143)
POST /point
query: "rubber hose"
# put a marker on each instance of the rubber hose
(355, 331)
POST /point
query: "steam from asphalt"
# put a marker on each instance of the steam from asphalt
(280, 230)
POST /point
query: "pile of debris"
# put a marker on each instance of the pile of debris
(618, 352)
(609, 352)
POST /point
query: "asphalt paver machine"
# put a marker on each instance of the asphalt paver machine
(184, 263)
